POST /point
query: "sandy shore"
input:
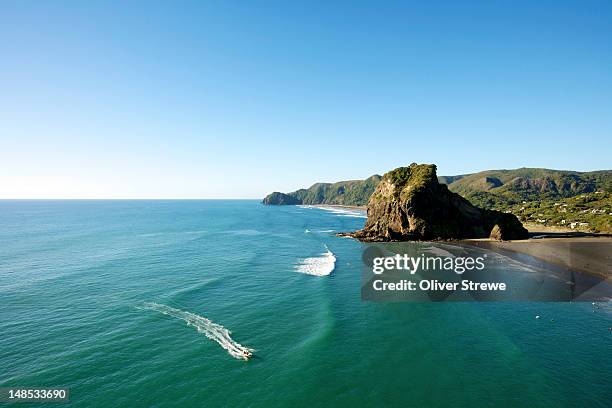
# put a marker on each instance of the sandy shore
(543, 229)
(578, 251)
(587, 254)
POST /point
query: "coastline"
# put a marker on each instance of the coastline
(348, 207)
(584, 252)
(591, 255)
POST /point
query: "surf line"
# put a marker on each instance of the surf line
(205, 326)
(321, 265)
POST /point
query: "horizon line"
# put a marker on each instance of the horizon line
(118, 199)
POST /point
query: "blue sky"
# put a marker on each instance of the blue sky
(237, 99)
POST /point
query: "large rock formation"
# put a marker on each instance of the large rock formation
(277, 198)
(410, 204)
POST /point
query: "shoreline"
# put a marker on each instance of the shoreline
(585, 254)
(348, 207)
(579, 251)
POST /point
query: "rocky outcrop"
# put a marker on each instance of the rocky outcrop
(488, 183)
(410, 204)
(277, 198)
(496, 233)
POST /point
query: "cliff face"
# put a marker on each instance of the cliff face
(277, 198)
(410, 204)
(351, 192)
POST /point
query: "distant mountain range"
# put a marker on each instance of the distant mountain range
(486, 189)
(506, 187)
(534, 195)
(351, 192)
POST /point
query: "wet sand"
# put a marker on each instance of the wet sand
(587, 254)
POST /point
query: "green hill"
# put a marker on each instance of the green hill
(584, 212)
(351, 192)
(579, 200)
(552, 198)
(495, 188)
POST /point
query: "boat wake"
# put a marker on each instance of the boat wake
(210, 329)
(321, 265)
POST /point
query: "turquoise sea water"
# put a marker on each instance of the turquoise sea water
(115, 299)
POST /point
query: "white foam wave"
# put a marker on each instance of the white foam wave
(345, 212)
(497, 258)
(205, 326)
(339, 211)
(321, 265)
(161, 233)
(438, 251)
(247, 232)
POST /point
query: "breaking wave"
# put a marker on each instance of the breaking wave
(318, 266)
(210, 329)
(339, 211)
(345, 212)
(439, 251)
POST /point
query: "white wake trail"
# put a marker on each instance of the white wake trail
(318, 266)
(205, 326)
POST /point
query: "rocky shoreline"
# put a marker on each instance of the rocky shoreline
(409, 204)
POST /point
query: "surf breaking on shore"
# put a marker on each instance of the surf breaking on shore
(318, 266)
(205, 326)
(339, 210)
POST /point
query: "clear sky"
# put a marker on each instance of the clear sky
(225, 99)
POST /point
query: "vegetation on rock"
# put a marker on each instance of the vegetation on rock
(497, 188)
(352, 192)
(277, 198)
(410, 204)
(568, 199)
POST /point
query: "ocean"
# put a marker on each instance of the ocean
(152, 303)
